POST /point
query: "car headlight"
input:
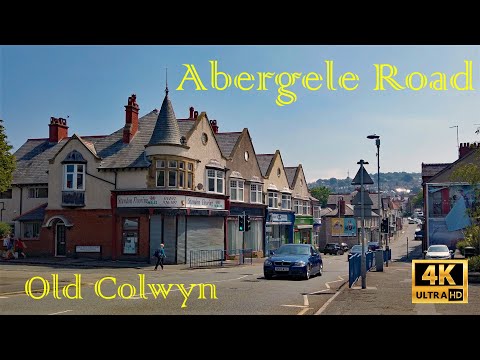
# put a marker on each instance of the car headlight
(268, 263)
(299, 263)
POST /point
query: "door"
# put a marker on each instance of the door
(61, 240)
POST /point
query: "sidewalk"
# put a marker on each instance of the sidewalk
(390, 292)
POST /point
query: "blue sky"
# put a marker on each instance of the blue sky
(323, 130)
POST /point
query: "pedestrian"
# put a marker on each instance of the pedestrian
(20, 248)
(160, 255)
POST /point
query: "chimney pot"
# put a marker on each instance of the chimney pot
(131, 119)
(58, 129)
(213, 123)
(195, 114)
(191, 112)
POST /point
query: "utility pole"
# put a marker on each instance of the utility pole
(362, 204)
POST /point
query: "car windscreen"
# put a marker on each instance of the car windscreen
(356, 248)
(293, 250)
(438, 248)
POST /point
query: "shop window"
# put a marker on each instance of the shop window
(130, 235)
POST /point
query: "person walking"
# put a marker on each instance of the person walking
(160, 255)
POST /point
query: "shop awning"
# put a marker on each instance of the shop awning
(304, 226)
(279, 223)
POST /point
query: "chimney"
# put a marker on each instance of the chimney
(131, 119)
(195, 114)
(58, 129)
(214, 126)
(466, 148)
(191, 112)
(342, 207)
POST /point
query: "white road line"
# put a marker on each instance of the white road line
(303, 311)
(305, 300)
(60, 312)
(300, 306)
(322, 309)
(320, 291)
(3, 297)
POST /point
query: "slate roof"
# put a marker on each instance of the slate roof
(36, 214)
(166, 128)
(226, 141)
(290, 172)
(433, 169)
(264, 161)
(32, 157)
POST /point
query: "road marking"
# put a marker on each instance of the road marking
(60, 312)
(320, 291)
(322, 309)
(299, 306)
(305, 300)
(3, 297)
(303, 311)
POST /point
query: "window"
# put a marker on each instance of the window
(236, 190)
(74, 177)
(256, 193)
(316, 212)
(6, 194)
(297, 207)
(286, 201)
(174, 175)
(31, 230)
(160, 178)
(172, 178)
(306, 208)
(38, 193)
(215, 181)
(273, 200)
(130, 236)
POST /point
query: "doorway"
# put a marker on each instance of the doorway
(60, 239)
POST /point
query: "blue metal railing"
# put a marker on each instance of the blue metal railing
(355, 266)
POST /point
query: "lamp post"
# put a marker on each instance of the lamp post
(377, 142)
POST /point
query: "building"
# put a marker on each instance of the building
(279, 215)
(245, 188)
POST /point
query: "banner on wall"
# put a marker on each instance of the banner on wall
(344, 227)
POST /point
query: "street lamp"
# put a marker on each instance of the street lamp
(377, 142)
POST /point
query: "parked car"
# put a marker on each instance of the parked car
(418, 234)
(438, 252)
(344, 247)
(295, 260)
(333, 249)
(411, 220)
(373, 245)
(356, 249)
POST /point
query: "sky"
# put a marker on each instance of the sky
(325, 130)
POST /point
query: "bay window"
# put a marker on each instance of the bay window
(236, 190)
(286, 201)
(256, 193)
(215, 180)
(273, 200)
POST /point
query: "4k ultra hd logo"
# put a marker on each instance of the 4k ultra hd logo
(440, 281)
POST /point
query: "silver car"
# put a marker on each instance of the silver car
(438, 252)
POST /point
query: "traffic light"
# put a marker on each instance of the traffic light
(247, 222)
(241, 223)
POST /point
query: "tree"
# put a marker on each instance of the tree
(5, 229)
(321, 194)
(417, 200)
(7, 161)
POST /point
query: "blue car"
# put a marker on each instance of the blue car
(296, 260)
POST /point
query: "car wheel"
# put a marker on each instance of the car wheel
(267, 276)
(320, 270)
(308, 272)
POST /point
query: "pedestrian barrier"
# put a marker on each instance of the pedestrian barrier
(218, 258)
(355, 266)
(387, 255)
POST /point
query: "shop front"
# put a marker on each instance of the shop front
(186, 224)
(278, 229)
(303, 229)
(251, 239)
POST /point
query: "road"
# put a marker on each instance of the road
(240, 290)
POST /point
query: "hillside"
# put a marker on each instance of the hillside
(390, 183)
